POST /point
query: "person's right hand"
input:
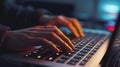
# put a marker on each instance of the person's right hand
(47, 36)
(71, 23)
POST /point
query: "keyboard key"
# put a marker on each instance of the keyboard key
(53, 57)
(65, 57)
(81, 53)
(50, 58)
(86, 59)
(73, 61)
(82, 63)
(89, 41)
(78, 57)
(38, 57)
(73, 52)
(86, 48)
(85, 51)
(94, 50)
(89, 56)
(76, 49)
(61, 61)
(81, 44)
(92, 53)
(97, 47)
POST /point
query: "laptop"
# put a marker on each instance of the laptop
(89, 52)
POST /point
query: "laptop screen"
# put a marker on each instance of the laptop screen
(111, 58)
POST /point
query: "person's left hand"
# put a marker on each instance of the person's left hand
(49, 37)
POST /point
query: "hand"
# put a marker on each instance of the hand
(47, 36)
(71, 23)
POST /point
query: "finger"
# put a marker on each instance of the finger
(36, 28)
(62, 36)
(40, 28)
(73, 30)
(55, 30)
(31, 29)
(55, 39)
(65, 22)
(45, 43)
(77, 26)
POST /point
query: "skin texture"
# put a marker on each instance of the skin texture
(48, 36)
(71, 23)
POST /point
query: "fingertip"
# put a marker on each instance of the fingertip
(70, 50)
(72, 45)
(77, 36)
(82, 34)
(52, 46)
(57, 50)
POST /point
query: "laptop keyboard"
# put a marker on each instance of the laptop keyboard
(85, 48)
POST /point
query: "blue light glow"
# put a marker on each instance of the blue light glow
(111, 23)
(111, 8)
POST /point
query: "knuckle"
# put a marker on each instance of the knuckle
(74, 20)
(54, 27)
(60, 17)
(68, 24)
(44, 39)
